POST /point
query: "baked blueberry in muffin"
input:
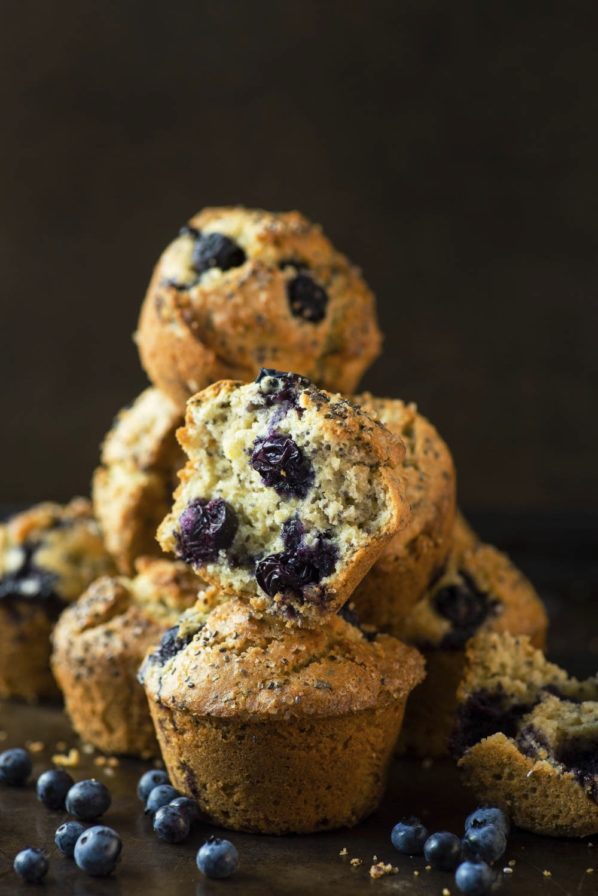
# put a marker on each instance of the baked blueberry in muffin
(527, 736)
(100, 641)
(240, 289)
(274, 728)
(133, 486)
(478, 590)
(288, 496)
(48, 556)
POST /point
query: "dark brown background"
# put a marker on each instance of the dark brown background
(450, 149)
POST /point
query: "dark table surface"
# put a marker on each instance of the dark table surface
(560, 555)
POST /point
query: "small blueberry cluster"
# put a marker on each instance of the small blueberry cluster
(172, 817)
(96, 850)
(484, 842)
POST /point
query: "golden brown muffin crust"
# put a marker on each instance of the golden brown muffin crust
(232, 322)
(244, 667)
(354, 499)
(133, 486)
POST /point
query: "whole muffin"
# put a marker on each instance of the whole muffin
(276, 729)
(100, 642)
(414, 556)
(288, 497)
(479, 590)
(132, 489)
(48, 556)
(527, 735)
(241, 289)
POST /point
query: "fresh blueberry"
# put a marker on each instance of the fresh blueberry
(215, 250)
(488, 815)
(282, 465)
(487, 843)
(474, 878)
(171, 824)
(98, 850)
(87, 800)
(409, 837)
(307, 299)
(149, 780)
(188, 806)
(67, 835)
(52, 787)
(443, 851)
(217, 858)
(205, 527)
(31, 864)
(160, 796)
(15, 766)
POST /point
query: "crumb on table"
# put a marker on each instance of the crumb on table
(380, 869)
(68, 760)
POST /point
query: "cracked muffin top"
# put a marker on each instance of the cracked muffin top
(479, 590)
(240, 289)
(288, 497)
(50, 554)
(232, 664)
(159, 591)
(132, 489)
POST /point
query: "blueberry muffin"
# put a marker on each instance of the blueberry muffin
(242, 289)
(288, 497)
(132, 489)
(479, 590)
(527, 737)
(48, 556)
(100, 642)
(415, 555)
(278, 729)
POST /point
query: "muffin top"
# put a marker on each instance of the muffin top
(241, 288)
(119, 614)
(289, 495)
(133, 486)
(479, 590)
(427, 467)
(50, 553)
(233, 665)
(143, 434)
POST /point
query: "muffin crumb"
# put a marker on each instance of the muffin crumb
(67, 760)
(380, 869)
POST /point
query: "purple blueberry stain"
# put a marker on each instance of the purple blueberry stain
(466, 607)
(210, 251)
(170, 644)
(282, 465)
(299, 566)
(205, 528)
(215, 250)
(307, 298)
(580, 757)
(29, 582)
(483, 714)
(281, 389)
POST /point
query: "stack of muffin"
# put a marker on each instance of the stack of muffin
(318, 552)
